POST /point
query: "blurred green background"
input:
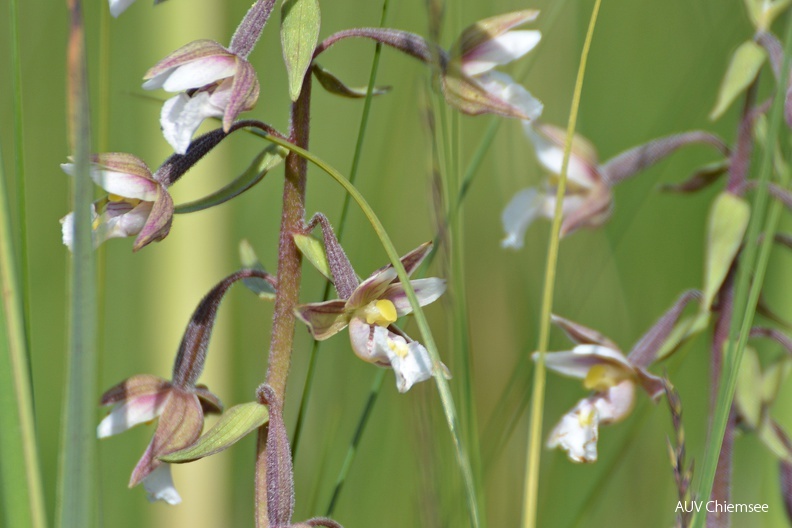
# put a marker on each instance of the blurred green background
(654, 69)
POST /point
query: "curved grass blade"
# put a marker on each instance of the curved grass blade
(446, 398)
(537, 408)
(76, 507)
(748, 289)
(22, 499)
(268, 159)
(341, 226)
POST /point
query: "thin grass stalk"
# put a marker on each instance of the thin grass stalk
(748, 288)
(446, 398)
(76, 505)
(23, 497)
(537, 409)
(19, 160)
(376, 387)
(341, 227)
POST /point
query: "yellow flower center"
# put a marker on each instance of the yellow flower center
(382, 312)
(399, 347)
(602, 377)
(585, 418)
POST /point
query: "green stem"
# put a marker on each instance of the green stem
(748, 289)
(76, 506)
(19, 155)
(537, 408)
(22, 499)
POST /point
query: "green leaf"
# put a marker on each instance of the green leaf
(299, 33)
(743, 68)
(747, 396)
(685, 328)
(250, 260)
(774, 377)
(268, 159)
(727, 223)
(232, 426)
(773, 439)
(314, 251)
(334, 85)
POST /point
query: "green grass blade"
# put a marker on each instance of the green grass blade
(19, 155)
(747, 291)
(376, 387)
(537, 398)
(76, 506)
(341, 226)
(23, 502)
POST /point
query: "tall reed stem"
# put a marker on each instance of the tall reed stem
(537, 398)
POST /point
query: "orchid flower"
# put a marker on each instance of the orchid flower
(605, 370)
(179, 404)
(587, 201)
(469, 80)
(180, 410)
(136, 204)
(370, 311)
(212, 81)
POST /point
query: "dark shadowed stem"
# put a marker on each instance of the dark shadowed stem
(404, 41)
(722, 485)
(741, 156)
(191, 357)
(289, 274)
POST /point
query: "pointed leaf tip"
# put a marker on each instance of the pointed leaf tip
(300, 20)
(728, 221)
(249, 259)
(314, 251)
(742, 70)
(232, 426)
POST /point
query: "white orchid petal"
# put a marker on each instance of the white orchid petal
(551, 156)
(604, 354)
(126, 185)
(518, 216)
(119, 6)
(124, 225)
(507, 89)
(410, 361)
(616, 403)
(182, 115)
(500, 50)
(156, 82)
(67, 230)
(360, 335)
(577, 433)
(159, 486)
(200, 72)
(427, 291)
(129, 414)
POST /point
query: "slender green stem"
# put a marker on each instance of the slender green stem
(19, 155)
(76, 506)
(353, 172)
(749, 284)
(438, 372)
(20, 476)
(376, 387)
(537, 398)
